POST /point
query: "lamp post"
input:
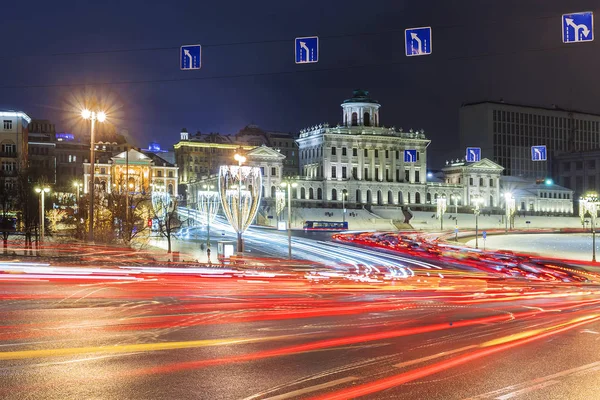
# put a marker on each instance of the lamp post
(42, 191)
(208, 214)
(344, 198)
(289, 185)
(241, 160)
(93, 116)
(477, 200)
(509, 209)
(77, 186)
(441, 210)
(589, 204)
(455, 198)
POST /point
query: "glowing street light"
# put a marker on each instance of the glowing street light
(289, 184)
(208, 204)
(477, 201)
(441, 210)
(78, 186)
(42, 191)
(509, 206)
(589, 204)
(344, 198)
(455, 198)
(93, 116)
(241, 160)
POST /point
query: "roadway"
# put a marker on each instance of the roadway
(140, 333)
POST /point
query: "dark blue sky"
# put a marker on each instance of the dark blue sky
(491, 49)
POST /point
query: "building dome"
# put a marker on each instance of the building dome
(360, 96)
(360, 110)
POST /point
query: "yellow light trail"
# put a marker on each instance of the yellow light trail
(132, 348)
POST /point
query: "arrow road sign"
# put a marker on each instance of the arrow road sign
(418, 41)
(538, 153)
(307, 50)
(484, 234)
(410, 156)
(190, 57)
(578, 27)
(473, 154)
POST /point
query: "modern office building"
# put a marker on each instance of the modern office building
(579, 171)
(506, 133)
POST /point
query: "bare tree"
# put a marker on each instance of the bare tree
(164, 207)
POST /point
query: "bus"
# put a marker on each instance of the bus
(325, 226)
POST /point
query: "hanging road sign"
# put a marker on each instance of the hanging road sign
(578, 27)
(410, 156)
(190, 57)
(307, 50)
(417, 41)
(473, 154)
(538, 153)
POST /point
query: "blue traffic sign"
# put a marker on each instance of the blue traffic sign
(484, 234)
(418, 41)
(307, 50)
(473, 154)
(455, 230)
(538, 153)
(190, 57)
(578, 27)
(410, 156)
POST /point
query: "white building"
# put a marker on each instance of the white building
(538, 198)
(479, 179)
(362, 159)
(270, 162)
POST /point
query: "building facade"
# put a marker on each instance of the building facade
(579, 171)
(271, 164)
(538, 198)
(506, 132)
(134, 171)
(42, 151)
(477, 180)
(361, 160)
(14, 145)
(70, 152)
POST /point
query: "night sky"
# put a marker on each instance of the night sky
(482, 49)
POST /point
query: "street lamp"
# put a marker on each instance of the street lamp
(509, 206)
(42, 191)
(477, 201)
(589, 204)
(208, 202)
(93, 116)
(441, 210)
(344, 198)
(77, 186)
(241, 160)
(289, 185)
(456, 199)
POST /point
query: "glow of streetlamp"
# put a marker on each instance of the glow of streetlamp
(86, 114)
(239, 158)
(101, 116)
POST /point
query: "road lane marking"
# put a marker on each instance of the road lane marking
(434, 356)
(527, 390)
(517, 387)
(310, 389)
(132, 348)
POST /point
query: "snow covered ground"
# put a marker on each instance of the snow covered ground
(566, 246)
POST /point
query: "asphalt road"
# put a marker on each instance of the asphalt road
(130, 335)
